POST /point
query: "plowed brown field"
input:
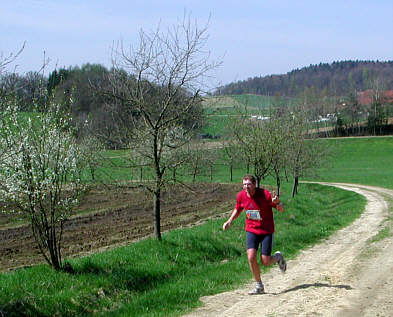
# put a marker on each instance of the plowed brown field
(116, 215)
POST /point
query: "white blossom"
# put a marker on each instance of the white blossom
(39, 166)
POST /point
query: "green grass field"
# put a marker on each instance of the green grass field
(255, 102)
(219, 110)
(367, 161)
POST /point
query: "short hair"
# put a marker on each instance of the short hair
(250, 178)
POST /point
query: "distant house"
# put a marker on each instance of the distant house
(366, 97)
(255, 117)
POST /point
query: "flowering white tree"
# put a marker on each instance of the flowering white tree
(39, 171)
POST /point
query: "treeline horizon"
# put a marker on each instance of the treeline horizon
(333, 79)
(97, 113)
(328, 79)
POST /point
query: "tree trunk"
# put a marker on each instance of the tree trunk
(56, 264)
(92, 172)
(294, 186)
(258, 181)
(157, 216)
(278, 183)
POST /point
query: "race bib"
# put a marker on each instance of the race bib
(253, 215)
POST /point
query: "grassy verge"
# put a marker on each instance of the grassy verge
(386, 228)
(167, 278)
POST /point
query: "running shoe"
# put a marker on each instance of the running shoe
(257, 290)
(282, 264)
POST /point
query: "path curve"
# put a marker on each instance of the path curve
(346, 275)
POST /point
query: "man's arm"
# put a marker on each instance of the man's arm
(277, 202)
(234, 215)
(280, 207)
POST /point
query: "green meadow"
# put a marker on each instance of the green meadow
(167, 278)
(220, 110)
(367, 161)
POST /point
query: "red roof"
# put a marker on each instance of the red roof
(366, 97)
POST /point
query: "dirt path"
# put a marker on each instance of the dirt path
(347, 275)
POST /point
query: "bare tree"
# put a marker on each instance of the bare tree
(8, 104)
(91, 154)
(160, 97)
(27, 88)
(257, 140)
(278, 125)
(229, 156)
(6, 60)
(302, 153)
(201, 160)
(378, 116)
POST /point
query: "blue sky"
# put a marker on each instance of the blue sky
(254, 38)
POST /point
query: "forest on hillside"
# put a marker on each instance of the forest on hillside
(335, 79)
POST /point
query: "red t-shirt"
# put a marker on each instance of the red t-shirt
(258, 208)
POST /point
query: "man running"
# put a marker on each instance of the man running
(259, 227)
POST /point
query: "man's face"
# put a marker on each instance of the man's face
(249, 186)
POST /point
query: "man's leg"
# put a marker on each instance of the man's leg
(252, 262)
(266, 250)
(254, 268)
(267, 260)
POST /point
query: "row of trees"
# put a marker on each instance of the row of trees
(279, 146)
